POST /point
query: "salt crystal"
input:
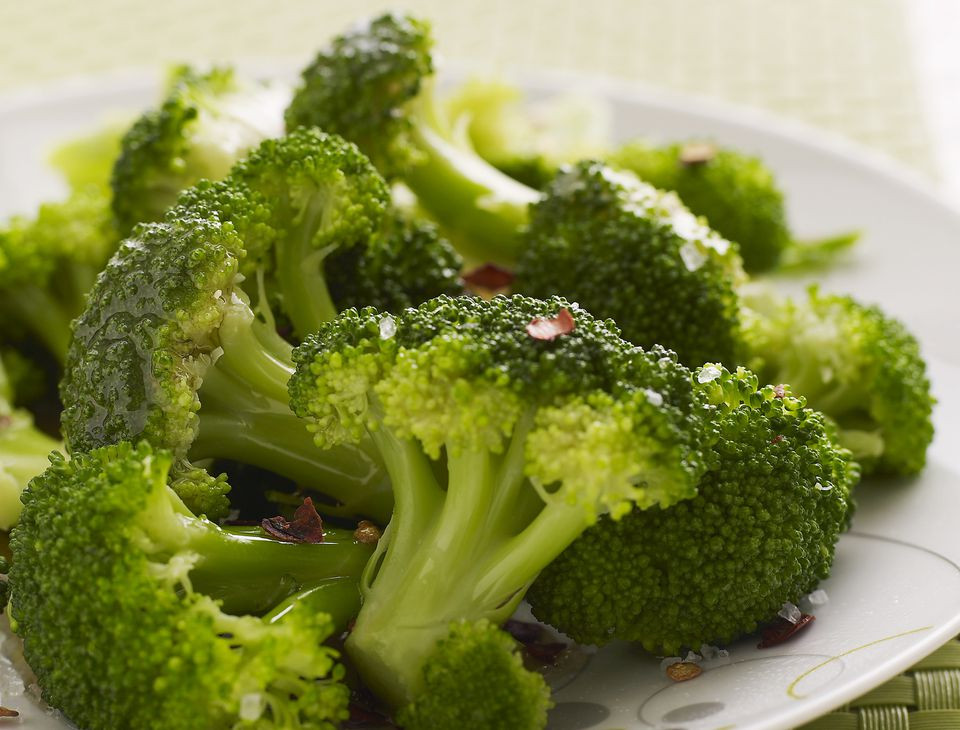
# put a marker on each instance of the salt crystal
(668, 662)
(388, 327)
(693, 257)
(251, 706)
(693, 658)
(709, 374)
(709, 652)
(790, 612)
(654, 398)
(818, 598)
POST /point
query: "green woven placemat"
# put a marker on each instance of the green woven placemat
(926, 697)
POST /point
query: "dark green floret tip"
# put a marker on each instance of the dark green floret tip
(628, 251)
(360, 85)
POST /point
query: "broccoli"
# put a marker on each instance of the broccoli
(852, 361)
(23, 452)
(760, 532)
(736, 193)
(87, 161)
(529, 142)
(617, 246)
(182, 319)
(507, 428)
(207, 122)
(627, 251)
(49, 263)
(476, 679)
(135, 613)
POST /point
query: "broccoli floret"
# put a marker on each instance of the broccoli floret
(476, 679)
(852, 361)
(374, 86)
(760, 532)
(49, 263)
(88, 161)
(207, 122)
(736, 193)
(181, 320)
(529, 140)
(23, 452)
(507, 428)
(628, 251)
(151, 628)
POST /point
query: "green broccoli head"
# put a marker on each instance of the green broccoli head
(855, 363)
(206, 123)
(181, 320)
(760, 532)
(507, 427)
(475, 678)
(627, 251)
(128, 637)
(47, 265)
(362, 85)
(406, 264)
(23, 452)
(737, 193)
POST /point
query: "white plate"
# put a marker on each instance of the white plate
(895, 590)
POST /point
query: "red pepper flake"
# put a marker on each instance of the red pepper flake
(367, 533)
(777, 439)
(550, 328)
(781, 630)
(305, 527)
(526, 632)
(779, 391)
(489, 277)
(362, 717)
(697, 153)
(7, 712)
(684, 671)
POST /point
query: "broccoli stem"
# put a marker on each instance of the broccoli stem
(245, 417)
(251, 573)
(306, 296)
(458, 559)
(46, 318)
(481, 208)
(338, 597)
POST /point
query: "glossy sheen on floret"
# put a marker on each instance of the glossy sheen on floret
(407, 263)
(359, 86)
(761, 531)
(735, 192)
(141, 346)
(855, 363)
(627, 251)
(205, 124)
(475, 678)
(118, 639)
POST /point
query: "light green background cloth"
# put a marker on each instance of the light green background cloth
(845, 65)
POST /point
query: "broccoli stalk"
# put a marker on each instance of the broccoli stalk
(540, 435)
(151, 629)
(23, 453)
(616, 245)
